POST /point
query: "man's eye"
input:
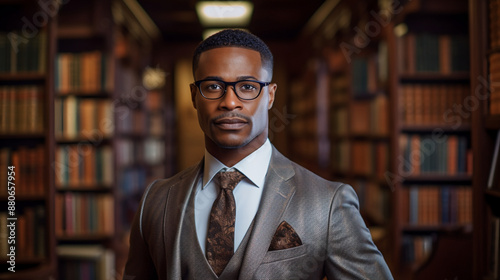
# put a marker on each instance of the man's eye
(248, 87)
(214, 87)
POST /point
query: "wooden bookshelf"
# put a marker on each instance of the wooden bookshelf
(432, 155)
(85, 178)
(26, 129)
(414, 82)
(485, 126)
(341, 103)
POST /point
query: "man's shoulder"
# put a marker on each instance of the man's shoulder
(161, 187)
(309, 178)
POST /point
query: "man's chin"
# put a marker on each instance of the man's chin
(230, 144)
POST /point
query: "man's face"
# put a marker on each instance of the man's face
(230, 122)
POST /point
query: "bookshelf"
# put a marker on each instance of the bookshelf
(308, 129)
(360, 150)
(341, 106)
(84, 166)
(101, 133)
(485, 126)
(398, 126)
(26, 127)
(431, 172)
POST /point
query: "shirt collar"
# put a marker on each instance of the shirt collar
(254, 166)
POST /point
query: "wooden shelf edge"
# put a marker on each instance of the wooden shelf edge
(97, 94)
(21, 76)
(83, 140)
(409, 228)
(26, 197)
(84, 237)
(422, 128)
(14, 135)
(77, 32)
(492, 193)
(492, 122)
(93, 188)
(25, 260)
(435, 77)
(439, 178)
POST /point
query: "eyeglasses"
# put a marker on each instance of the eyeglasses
(246, 89)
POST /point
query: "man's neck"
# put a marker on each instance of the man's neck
(231, 156)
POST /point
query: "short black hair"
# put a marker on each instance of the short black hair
(235, 38)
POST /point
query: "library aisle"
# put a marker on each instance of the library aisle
(399, 99)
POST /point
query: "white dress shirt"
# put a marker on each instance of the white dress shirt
(247, 193)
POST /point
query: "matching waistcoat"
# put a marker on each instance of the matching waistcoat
(194, 264)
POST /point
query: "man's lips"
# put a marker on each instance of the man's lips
(230, 123)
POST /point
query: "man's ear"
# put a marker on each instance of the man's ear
(272, 93)
(193, 94)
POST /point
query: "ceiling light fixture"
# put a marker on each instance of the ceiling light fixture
(224, 13)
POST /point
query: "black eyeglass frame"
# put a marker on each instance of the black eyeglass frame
(233, 84)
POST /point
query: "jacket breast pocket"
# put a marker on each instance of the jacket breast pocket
(289, 264)
(285, 254)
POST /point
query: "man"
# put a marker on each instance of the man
(279, 222)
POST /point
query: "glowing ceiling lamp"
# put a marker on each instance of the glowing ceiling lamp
(224, 13)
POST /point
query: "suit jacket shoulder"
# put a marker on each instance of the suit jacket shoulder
(157, 194)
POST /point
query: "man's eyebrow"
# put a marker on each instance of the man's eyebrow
(240, 78)
(246, 78)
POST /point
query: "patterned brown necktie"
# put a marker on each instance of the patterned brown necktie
(220, 236)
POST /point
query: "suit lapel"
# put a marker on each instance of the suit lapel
(277, 193)
(177, 205)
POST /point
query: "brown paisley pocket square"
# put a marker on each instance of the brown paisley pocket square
(285, 237)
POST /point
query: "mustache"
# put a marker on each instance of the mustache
(231, 115)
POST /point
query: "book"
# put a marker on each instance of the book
(28, 56)
(494, 169)
(422, 154)
(85, 214)
(423, 52)
(86, 262)
(85, 73)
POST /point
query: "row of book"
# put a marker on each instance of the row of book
(21, 109)
(149, 151)
(339, 89)
(20, 54)
(433, 104)
(433, 53)
(85, 262)
(83, 166)
(87, 118)
(86, 73)
(430, 154)
(29, 232)
(369, 117)
(494, 89)
(361, 157)
(494, 24)
(416, 249)
(437, 205)
(364, 77)
(29, 170)
(84, 214)
(139, 122)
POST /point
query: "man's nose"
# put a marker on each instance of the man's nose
(230, 100)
